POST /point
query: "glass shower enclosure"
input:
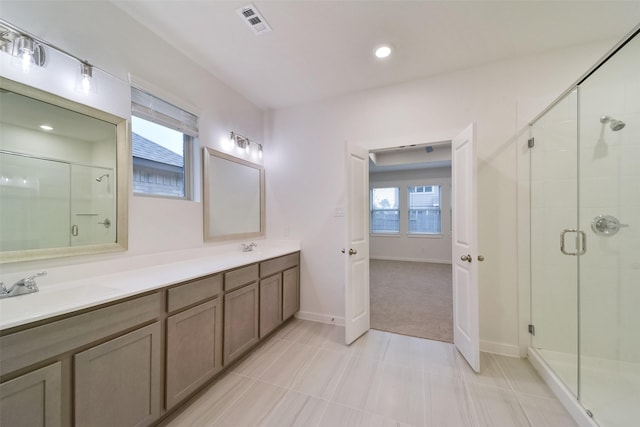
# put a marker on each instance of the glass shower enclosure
(48, 203)
(585, 238)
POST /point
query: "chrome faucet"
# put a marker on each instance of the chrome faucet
(249, 247)
(27, 285)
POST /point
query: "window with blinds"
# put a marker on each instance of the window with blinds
(162, 139)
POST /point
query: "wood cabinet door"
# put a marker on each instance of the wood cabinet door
(194, 349)
(240, 321)
(270, 304)
(118, 383)
(290, 292)
(33, 399)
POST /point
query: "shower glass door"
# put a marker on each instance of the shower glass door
(554, 293)
(609, 213)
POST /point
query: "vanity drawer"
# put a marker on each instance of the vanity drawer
(267, 268)
(240, 277)
(34, 345)
(193, 292)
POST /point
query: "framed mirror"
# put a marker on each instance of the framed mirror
(63, 176)
(234, 206)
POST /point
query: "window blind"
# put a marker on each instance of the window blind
(147, 106)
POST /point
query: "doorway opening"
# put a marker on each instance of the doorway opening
(410, 241)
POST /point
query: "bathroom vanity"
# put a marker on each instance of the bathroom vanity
(130, 358)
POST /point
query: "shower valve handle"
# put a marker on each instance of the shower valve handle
(606, 225)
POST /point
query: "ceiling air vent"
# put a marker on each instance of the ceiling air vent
(254, 19)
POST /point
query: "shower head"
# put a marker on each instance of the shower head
(99, 179)
(615, 125)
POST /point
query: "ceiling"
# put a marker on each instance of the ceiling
(411, 157)
(323, 49)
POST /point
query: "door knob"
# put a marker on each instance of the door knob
(466, 258)
(352, 252)
(480, 258)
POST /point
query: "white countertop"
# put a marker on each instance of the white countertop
(74, 295)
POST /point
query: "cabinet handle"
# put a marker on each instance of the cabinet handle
(352, 252)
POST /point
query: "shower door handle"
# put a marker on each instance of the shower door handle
(580, 236)
(74, 230)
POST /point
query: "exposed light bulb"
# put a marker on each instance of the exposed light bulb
(25, 51)
(86, 83)
(27, 59)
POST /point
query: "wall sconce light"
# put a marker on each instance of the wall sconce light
(243, 143)
(85, 82)
(28, 52)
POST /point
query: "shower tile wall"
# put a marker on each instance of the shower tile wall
(91, 204)
(35, 205)
(610, 184)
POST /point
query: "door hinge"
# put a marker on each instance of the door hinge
(532, 329)
(531, 142)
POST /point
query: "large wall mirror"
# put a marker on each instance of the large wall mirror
(233, 197)
(63, 176)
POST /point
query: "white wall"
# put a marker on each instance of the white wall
(106, 37)
(406, 247)
(305, 164)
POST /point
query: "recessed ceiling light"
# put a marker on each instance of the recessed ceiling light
(383, 51)
(46, 127)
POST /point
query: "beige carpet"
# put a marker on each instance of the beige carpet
(412, 298)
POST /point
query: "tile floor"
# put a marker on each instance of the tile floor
(305, 376)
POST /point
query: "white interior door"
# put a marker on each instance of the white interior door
(465, 247)
(356, 250)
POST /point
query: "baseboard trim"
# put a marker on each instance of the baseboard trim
(433, 261)
(322, 318)
(500, 348)
(561, 391)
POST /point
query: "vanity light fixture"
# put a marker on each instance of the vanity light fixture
(239, 141)
(86, 83)
(243, 143)
(382, 51)
(28, 52)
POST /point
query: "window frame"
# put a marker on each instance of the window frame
(372, 211)
(426, 209)
(153, 109)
